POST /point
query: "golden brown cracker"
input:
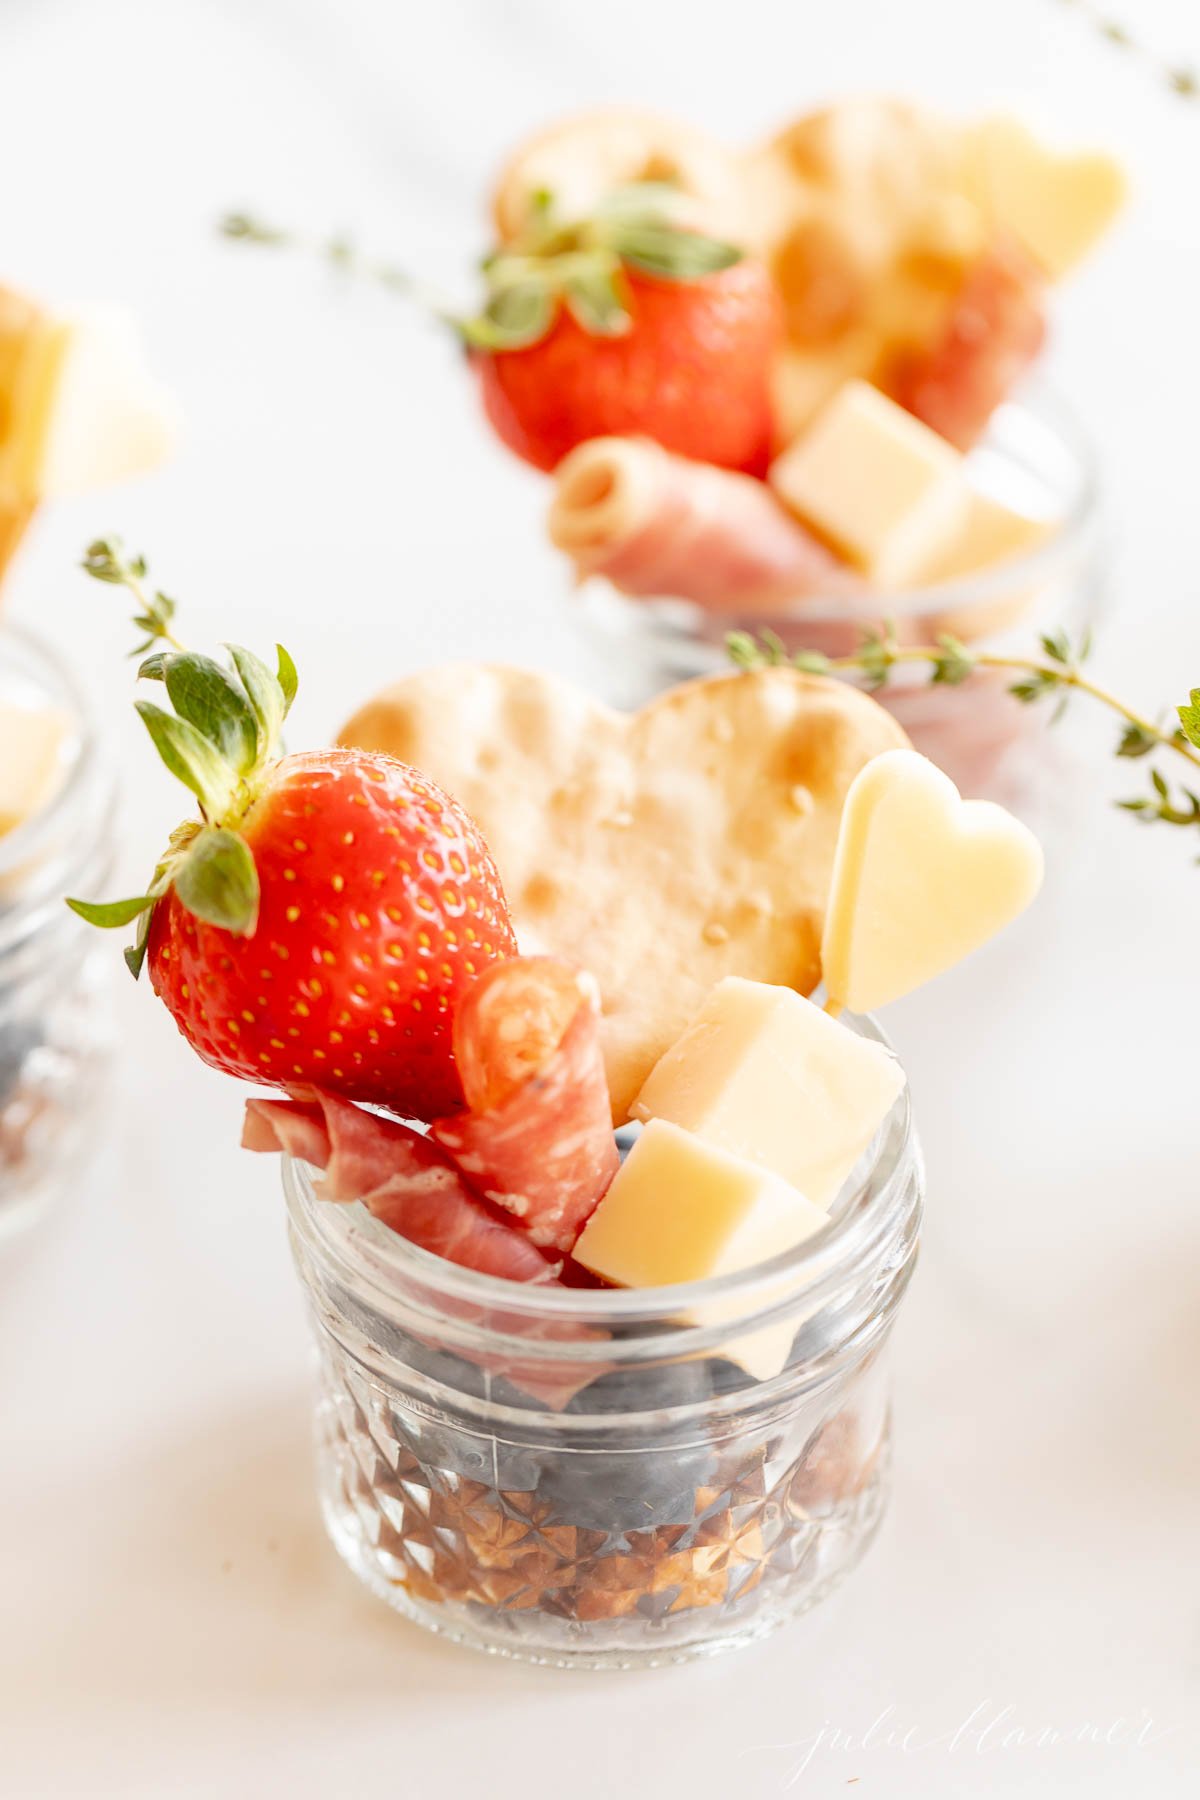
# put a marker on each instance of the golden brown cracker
(660, 850)
(580, 159)
(862, 214)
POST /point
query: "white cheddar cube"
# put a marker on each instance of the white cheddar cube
(990, 533)
(82, 410)
(106, 419)
(883, 489)
(765, 1075)
(31, 744)
(682, 1210)
(1057, 203)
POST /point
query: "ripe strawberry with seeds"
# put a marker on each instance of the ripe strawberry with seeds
(628, 324)
(319, 922)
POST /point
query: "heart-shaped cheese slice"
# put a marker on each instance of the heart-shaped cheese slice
(661, 850)
(921, 878)
(1057, 203)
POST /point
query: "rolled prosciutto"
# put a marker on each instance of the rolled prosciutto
(655, 524)
(995, 329)
(409, 1184)
(413, 1187)
(537, 1136)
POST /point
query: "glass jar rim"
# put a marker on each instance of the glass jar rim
(23, 842)
(869, 1210)
(1039, 405)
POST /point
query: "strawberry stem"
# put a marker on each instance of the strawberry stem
(220, 739)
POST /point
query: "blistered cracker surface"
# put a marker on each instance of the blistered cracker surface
(661, 850)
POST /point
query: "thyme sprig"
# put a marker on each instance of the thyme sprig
(105, 560)
(341, 253)
(1182, 79)
(1055, 675)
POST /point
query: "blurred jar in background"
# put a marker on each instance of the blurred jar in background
(1034, 461)
(56, 836)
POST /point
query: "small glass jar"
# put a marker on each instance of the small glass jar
(55, 1031)
(1035, 460)
(590, 1478)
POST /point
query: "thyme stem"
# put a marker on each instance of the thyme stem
(1060, 676)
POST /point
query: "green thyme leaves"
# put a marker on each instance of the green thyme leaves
(1189, 718)
(1056, 674)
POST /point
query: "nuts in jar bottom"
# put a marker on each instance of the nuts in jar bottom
(448, 1539)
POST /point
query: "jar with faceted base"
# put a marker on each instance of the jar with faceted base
(595, 1478)
(55, 1034)
(1035, 461)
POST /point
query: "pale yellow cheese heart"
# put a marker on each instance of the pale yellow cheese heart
(1057, 203)
(661, 850)
(920, 879)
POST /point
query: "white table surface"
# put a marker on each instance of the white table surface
(171, 1619)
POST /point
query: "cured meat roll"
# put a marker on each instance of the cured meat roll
(537, 1135)
(413, 1187)
(656, 524)
(407, 1182)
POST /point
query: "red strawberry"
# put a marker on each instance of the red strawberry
(319, 923)
(379, 903)
(629, 325)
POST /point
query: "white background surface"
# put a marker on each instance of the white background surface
(171, 1620)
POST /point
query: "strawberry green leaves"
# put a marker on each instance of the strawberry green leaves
(218, 882)
(269, 696)
(213, 873)
(220, 740)
(191, 757)
(596, 295)
(517, 313)
(111, 915)
(212, 699)
(581, 265)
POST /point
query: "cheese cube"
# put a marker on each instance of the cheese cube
(682, 1210)
(764, 1074)
(109, 420)
(883, 489)
(990, 533)
(1056, 203)
(83, 412)
(31, 745)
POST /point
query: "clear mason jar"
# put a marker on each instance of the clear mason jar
(55, 1027)
(589, 1478)
(1034, 459)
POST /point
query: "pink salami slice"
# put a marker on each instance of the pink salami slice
(410, 1184)
(413, 1187)
(537, 1136)
(995, 330)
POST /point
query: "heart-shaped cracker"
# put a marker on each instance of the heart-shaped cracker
(1057, 202)
(921, 878)
(661, 850)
